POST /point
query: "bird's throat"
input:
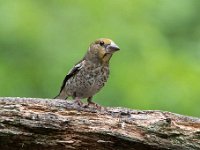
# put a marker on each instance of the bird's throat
(106, 58)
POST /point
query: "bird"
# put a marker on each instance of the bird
(90, 74)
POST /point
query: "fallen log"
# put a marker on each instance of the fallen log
(46, 124)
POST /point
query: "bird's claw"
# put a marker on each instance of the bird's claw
(78, 102)
(93, 104)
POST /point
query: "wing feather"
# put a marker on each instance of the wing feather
(71, 73)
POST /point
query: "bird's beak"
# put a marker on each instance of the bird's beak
(112, 48)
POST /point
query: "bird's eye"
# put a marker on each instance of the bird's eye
(101, 43)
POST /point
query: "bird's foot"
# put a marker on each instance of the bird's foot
(78, 102)
(93, 104)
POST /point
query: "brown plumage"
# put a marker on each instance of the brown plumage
(88, 76)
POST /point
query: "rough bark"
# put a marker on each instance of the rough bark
(33, 123)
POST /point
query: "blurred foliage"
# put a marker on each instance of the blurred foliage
(158, 66)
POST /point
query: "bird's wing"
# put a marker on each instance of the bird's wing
(72, 72)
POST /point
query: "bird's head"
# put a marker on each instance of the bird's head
(101, 50)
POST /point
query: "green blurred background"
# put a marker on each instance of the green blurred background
(158, 66)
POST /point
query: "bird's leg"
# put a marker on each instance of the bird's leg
(77, 100)
(91, 103)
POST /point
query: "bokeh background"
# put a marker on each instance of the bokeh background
(158, 66)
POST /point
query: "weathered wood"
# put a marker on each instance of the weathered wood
(33, 123)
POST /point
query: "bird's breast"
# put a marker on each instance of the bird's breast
(96, 76)
(90, 79)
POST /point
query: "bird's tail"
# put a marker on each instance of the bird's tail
(61, 95)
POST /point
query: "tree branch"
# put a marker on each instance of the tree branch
(33, 123)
